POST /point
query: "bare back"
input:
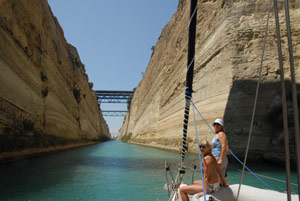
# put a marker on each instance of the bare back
(210, 167)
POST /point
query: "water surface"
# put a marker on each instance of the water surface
(108, 171)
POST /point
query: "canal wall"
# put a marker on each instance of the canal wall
(229, 41)
(46, 98)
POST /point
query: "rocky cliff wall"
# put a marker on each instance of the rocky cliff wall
(229, 42)
(44, 90)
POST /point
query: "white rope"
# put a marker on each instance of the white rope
(191, 17)
(190, 64)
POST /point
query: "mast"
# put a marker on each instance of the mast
(189, 77)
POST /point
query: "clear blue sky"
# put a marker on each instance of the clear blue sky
(114, 40)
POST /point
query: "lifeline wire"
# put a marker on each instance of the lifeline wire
(201, 168)
(231, 151)
(274, 179)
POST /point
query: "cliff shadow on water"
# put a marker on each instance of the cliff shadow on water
(267, 139)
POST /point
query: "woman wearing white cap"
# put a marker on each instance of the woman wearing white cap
(213, 177)
(220, 143)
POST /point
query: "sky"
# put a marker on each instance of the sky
(114, 40)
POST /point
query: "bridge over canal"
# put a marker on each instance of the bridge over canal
(114, 96)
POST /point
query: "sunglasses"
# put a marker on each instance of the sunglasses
(201, 146)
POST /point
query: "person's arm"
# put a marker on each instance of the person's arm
(223, 141)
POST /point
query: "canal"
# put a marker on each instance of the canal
(109, 171)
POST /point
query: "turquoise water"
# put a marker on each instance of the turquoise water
(108, 171)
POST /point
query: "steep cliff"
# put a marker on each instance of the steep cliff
(44, 91)
(229, 40)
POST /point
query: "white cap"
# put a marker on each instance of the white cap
(218, 121)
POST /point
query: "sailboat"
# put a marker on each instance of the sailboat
(235, 192)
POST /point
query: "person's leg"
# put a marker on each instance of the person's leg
(190, 189)
(198, 182)
(224, 165)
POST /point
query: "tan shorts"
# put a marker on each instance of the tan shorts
(224, 164)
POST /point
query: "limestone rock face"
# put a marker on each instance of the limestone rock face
(42, 80)
(229, 41)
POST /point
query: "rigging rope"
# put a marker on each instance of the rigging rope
(294, 89)
(284, 105)
(199, 155)
(189, 78)
(231, 151)
(255, 100)
(188, 92)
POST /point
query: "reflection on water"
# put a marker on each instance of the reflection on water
(108, 171)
